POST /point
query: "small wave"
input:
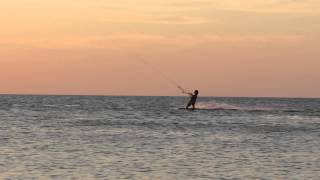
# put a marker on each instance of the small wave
(72, 105)
(49, 105)
(22, 112)
(60, 105)
(17, 105)
(186, 126)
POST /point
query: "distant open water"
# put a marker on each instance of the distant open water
(95, 137)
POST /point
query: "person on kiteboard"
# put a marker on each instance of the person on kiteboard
(193, 99)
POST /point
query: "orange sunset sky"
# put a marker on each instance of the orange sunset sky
(221, 47)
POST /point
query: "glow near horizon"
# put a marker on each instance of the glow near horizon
(223, 48)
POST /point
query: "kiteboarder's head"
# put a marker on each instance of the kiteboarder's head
(196, 92)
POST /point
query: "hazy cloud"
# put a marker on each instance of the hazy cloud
(144, 40)
(262, 6)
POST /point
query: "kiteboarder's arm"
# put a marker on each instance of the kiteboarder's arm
(190, 94)
(184, 91)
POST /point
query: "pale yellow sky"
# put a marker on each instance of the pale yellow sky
(221, 47)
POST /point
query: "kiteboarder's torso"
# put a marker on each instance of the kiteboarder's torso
(193, 98)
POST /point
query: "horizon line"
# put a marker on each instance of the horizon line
(128, 95)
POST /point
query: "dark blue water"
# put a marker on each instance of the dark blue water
(95, 137)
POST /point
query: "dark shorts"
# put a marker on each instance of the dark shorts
(191, 103)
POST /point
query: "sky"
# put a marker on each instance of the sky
(221, 47)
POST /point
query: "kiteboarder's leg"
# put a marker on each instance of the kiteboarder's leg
(193, 106)
(189, 104)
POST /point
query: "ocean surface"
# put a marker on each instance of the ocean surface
(101, 137)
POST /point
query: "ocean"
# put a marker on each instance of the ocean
(110, 137)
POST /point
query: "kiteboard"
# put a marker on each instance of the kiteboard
(204, 109)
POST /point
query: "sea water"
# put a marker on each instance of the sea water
(100, 137)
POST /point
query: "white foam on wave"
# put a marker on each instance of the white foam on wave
(214, 105)
(225, 106)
